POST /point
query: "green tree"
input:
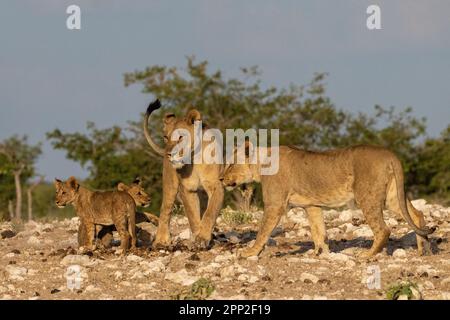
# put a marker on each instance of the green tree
(18, 161)
(431, 169)
(304, 114)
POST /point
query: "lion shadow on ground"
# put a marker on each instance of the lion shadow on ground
(407, 241)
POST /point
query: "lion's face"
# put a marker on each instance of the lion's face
(66, 192)
(235, 175)
(174, 130)
(137, 192)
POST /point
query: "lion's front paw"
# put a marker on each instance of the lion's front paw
(368, 255)
(202, 241)
(323, 249)
(249, 252)
(161, 242)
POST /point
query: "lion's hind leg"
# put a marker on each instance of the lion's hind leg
(371, 203)
(318, 231)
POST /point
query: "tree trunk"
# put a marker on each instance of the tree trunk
(30, 198)
(30, 204)
(11, 209)
(18, 195)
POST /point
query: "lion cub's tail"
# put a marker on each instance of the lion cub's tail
(399, 181)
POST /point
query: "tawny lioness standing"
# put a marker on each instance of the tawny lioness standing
(371, 176)
(104, 208)
(187, 180)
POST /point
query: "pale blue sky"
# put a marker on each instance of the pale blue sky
(52, 77)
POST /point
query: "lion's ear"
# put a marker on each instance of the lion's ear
(137, 181)
(73, 183)
(122, 187)
(169, 118)
(57, 182)
(192, 116)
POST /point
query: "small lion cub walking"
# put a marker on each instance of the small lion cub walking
(100, 208)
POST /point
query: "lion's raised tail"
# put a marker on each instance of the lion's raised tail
(152, 107)
(399, 182)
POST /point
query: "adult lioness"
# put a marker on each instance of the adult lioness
(187, 179)
(99, 208)
(371, 176)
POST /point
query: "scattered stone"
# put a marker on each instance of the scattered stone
(224, 257)
(278, 231)
(91, 288)
(194, 257)
(309, 260)
(153, 266)
(16, 272)
(118, 275)
(5, 234)
(134, 258)
(420, 204)
(399, 254)
(185, 234)
(181, 277)
(426, 271)
(346, 216)
(210, 268)
(445, 281)
(298, 216)
(391, 222)
(72, 259)
(416, 295)
(348, 227)
(340, 257)
(428, 285)
(34, 241)
(333, 233)
(445, 295)
(363, 232)
(308, 278)
(47, 227)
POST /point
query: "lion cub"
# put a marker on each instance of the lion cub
(141, 198)
(104, 208)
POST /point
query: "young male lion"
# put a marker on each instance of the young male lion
(103, 208)
(371, 176)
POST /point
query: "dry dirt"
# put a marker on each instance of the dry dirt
(34, 262)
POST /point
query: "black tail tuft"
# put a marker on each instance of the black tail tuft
(137, 180)
(155, 105)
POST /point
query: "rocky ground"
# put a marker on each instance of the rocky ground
(40, 261)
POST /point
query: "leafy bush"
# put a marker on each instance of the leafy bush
(406, 288)
(200, 290)
(235, 217)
